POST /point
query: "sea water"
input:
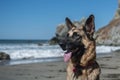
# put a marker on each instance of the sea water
(31, 51)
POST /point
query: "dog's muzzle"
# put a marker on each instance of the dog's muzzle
(62, 43)
(69, 46)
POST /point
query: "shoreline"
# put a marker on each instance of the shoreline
(42, 60)
(30, 61)
(110, 70)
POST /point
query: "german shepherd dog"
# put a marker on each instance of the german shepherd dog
(80, 52)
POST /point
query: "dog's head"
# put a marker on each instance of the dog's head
(77, 35)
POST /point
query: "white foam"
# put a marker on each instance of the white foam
(106, 49)
(31, 51)
(24, 51)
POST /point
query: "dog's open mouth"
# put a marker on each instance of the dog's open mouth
(68, 54)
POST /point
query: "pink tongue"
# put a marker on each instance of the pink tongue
(67, 56)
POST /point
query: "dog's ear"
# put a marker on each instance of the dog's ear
(69, 24)
(90, 25)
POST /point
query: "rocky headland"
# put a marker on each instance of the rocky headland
(110, 33)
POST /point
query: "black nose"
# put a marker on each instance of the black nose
(62, 44)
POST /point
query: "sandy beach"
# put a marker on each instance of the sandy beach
(110, 70)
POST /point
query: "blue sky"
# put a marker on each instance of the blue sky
(38, 19)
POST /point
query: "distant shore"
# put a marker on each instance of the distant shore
(110, 67)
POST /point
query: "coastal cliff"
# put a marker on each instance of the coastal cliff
(110, 34)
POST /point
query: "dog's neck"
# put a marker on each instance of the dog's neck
(86, 41)
(76, 55)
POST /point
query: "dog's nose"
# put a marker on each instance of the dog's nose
(62, 44)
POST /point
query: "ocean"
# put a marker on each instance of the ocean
(33, 51)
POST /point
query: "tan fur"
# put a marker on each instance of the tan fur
(90, 72)
(91, 69)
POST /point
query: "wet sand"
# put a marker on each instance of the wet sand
(110, 70)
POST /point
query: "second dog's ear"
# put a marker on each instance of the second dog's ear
(90, 25)
(69, 24)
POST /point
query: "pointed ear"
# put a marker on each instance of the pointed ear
(69, 24)
(90, 25)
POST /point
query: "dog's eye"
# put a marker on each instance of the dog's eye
(75, 34)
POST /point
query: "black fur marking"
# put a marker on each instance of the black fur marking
(76, 56)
